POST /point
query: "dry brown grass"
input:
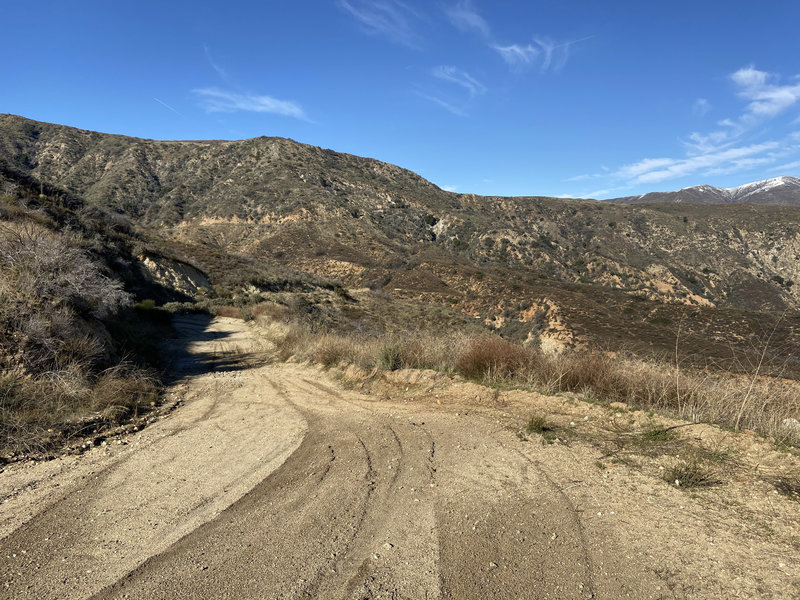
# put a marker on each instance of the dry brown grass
(60, 369)
(419, 350)
(39, 414)
(696, 396)
(493, 358)
(229, 311)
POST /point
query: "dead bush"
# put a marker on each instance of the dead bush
(329, 350)
(492, 358)
(41, 413)
(229, 311)
(122, 391)
(270, 310)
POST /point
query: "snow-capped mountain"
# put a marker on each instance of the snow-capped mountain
(778, 190)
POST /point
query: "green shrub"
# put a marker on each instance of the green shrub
(390, 357)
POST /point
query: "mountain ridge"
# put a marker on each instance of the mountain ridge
(782, 190)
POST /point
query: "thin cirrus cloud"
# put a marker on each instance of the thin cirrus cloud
(223, 74)
(723, 151)
(460, 78)
(518, 55)
(543, 53)
(449, 107)
(730, 160)
(465, 18)
(786, 167)
(390, 18)
(701, 107)
(766, 99)
(216, 100)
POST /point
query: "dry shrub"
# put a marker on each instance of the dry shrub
(289, 339)
(122, 391)
(691, 395)
(56, 305)
(271, 310)
(329, 350)
(595, 372)
(42, 413)
(233, 312)
(492, 358)
(692, 473)
(423, 350)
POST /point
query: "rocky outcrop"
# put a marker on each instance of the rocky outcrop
(174, 275)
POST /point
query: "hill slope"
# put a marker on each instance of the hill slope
(538, 268)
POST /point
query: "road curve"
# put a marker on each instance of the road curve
(271, 482)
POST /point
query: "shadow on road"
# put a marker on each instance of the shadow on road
(201, 347)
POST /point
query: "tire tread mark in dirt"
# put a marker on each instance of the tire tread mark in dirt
(400, 461)
(284, 395)
(311, 589)
(324, 388)
(321, 387)
(575, 515)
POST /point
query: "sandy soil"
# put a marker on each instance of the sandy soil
(279, 481)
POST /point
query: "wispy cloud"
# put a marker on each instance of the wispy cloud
(598, 193)
(730, 160)
(740, 143)
(390, 18)
(585, 177)
(214, 65)
(464, 17)
(784, 169)
(517, 55)
(460, 78)
(766, 99)
(544, 53)
(443, 104)
(164, 104)
(701, 107)
(217, 100)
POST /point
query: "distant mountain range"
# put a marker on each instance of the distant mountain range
(778, 190)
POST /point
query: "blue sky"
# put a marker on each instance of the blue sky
(508, 98)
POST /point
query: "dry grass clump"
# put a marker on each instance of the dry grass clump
(229, 311)
(40, 413)
(493, 358)
(329, 350)
(692, 473)
(789, 486)
(734, 401)
(388, 352)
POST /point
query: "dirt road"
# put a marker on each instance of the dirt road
(271, 481)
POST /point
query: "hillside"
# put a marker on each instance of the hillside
(778, 190)
(268, 212)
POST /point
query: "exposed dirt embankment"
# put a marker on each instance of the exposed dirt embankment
(275, 481)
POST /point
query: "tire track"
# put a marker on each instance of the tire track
(578, 524)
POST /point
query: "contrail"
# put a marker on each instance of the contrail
(167, 105)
